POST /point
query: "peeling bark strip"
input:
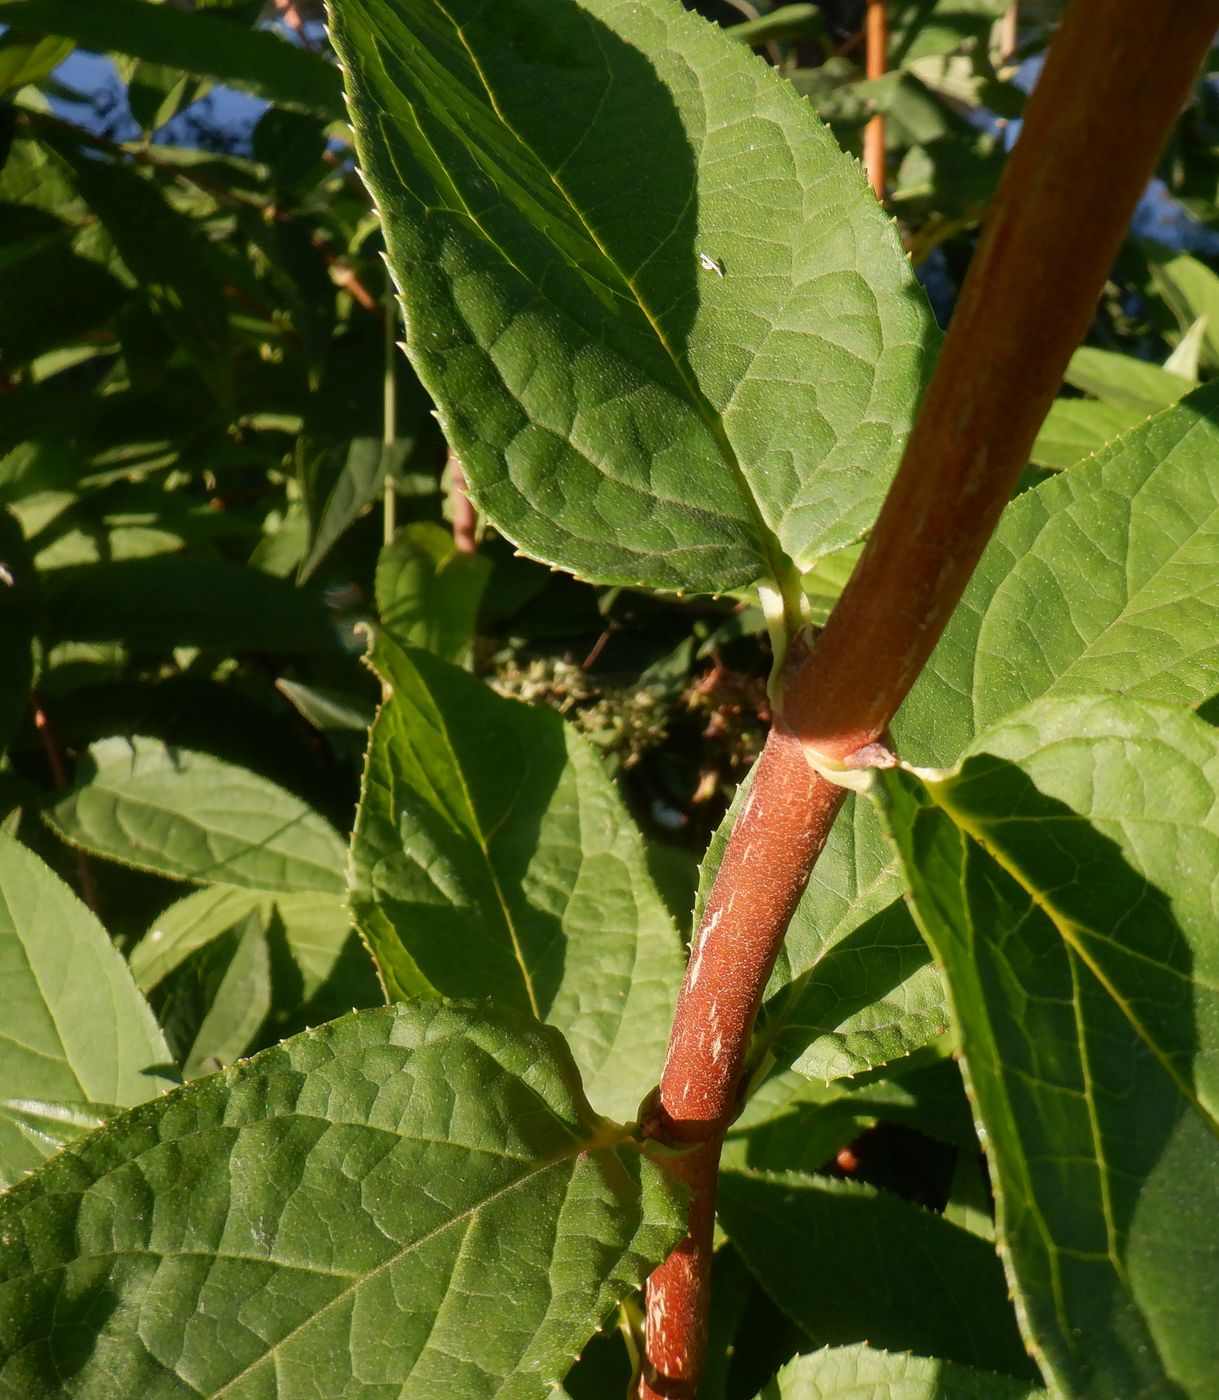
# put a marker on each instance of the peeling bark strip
(1113, 83)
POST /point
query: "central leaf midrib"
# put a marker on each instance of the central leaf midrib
(780, 565)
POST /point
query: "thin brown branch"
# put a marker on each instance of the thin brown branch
(1009, 32)
(59, 775)
(877, 29)
(465, 518)
(1093, 130)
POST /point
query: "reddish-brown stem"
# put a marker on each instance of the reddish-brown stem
(1009, 32)
(465, 518)
(783, 824)
(877, 30)
(59, 775)
(1093, 129)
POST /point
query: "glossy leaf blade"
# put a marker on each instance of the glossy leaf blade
(194, 817)
(493, 858)
(886, 1271)
(631, 262)
(865, 1373)
(1068, 878)
(415, 1201)
(73, 1027)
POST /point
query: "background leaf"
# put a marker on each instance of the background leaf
(493, 858)
(864, 1373)
(428, 591)
(1068, 878)
(73, 1027)
(160, 603)
(621, 409)
(192, 817)
(421, 1174)
(201, 44)
(886, 1271)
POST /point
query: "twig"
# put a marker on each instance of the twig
(59, 775)
(465, 518)
(877, 30)
(1094, 127)
(1009, 32)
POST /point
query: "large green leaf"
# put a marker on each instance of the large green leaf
(885, 1271)
(673, 337)
(201, 44)
(1104, 578)
(493, 858)
(1068, 878)
(193, 817)
(863, 1373)
(73, 1028)
(415, 1202)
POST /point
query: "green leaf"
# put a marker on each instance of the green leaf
(25, 59)
(325, 970)
(793, 1122)
(360, 482)
(73, 1028)
(191, 817)
(219, 1000)
(51, 297)
(428, 591)
(169, 601)
(1104, 579)
(673, 337)
(416, 1201)
(166, 255)
(886, 1271)
(493, 858)
(1076, 428)
(1067, 877)
(1126, 382)
(208, 47)
(1191, 289)
(863, 1373)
